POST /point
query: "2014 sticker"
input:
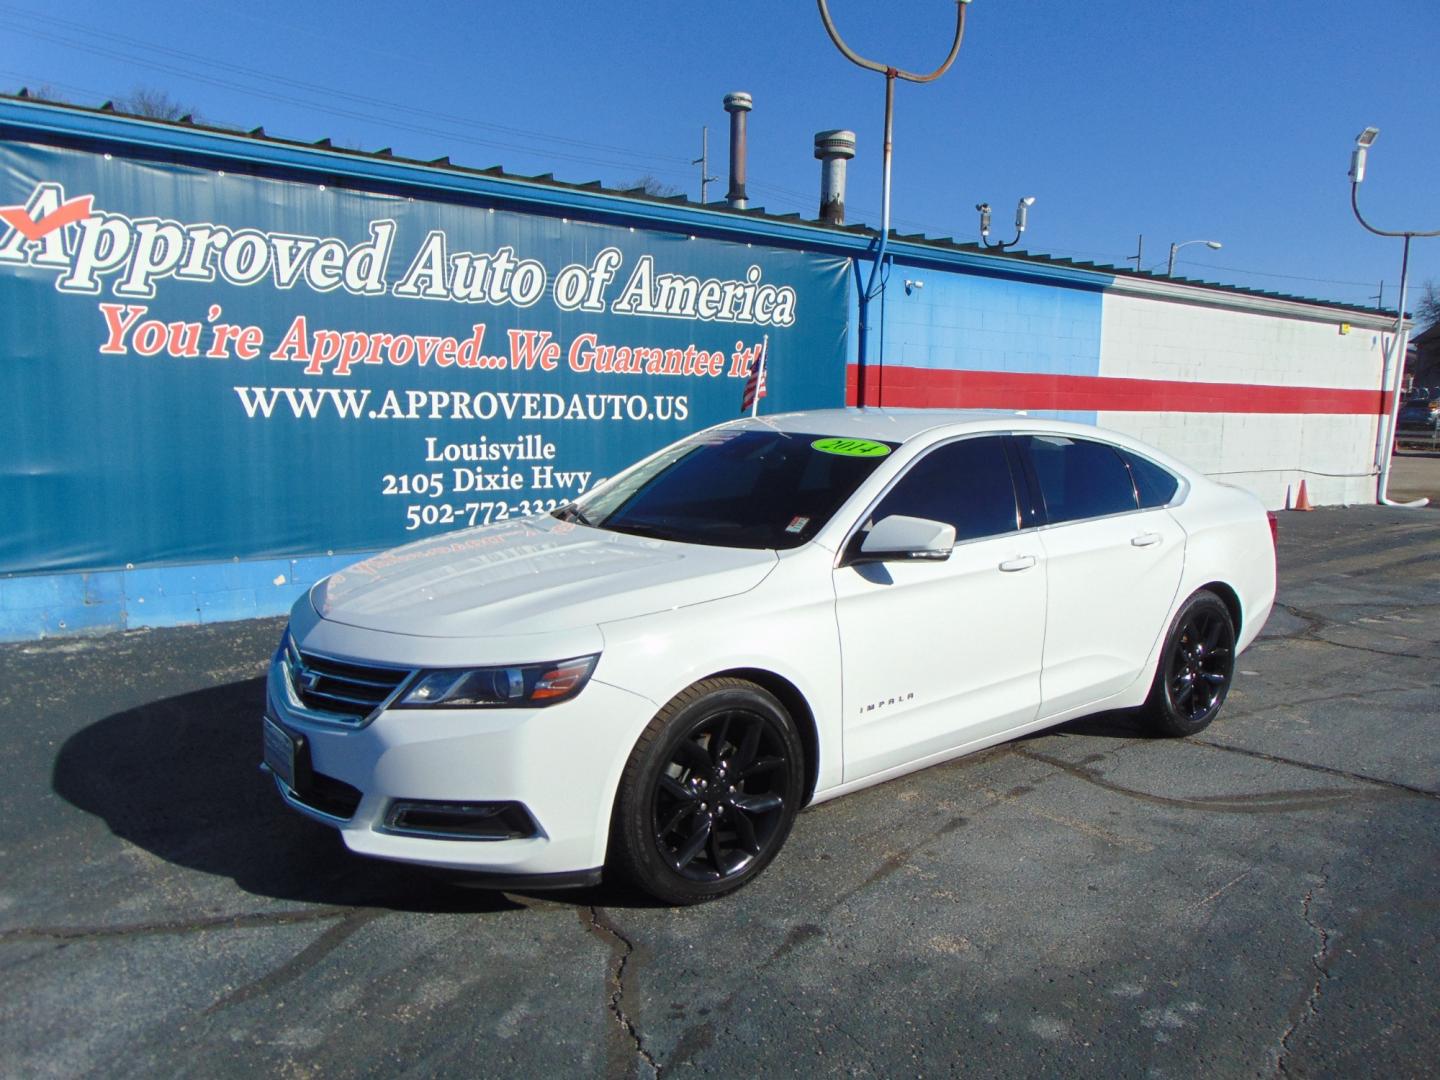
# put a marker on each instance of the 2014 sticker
(851, 447)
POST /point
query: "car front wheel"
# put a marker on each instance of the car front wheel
(709, 793)
(1197, 664)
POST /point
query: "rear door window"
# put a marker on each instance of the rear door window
(1079, 478)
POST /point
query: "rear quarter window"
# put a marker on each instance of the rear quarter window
(1155, 484)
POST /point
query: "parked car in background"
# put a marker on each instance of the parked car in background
(1421, 413)
(774, 612)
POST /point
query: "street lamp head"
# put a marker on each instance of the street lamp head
(1363, 142)
(1212, 244)
(1022, 211)
(984, 209)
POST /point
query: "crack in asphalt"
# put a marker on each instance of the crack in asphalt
(1315, 623)
(303, 961)
(1312, 620)
(176, 926)
(1224, 888)
(1309, 1008)
(1328, 770)
(1236, 707)
(701, 1036)
(1368, 649)
(1263, 802)
(597, 922)
(898, 860)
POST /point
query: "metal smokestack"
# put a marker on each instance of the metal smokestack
(833, 149)
(737, 105)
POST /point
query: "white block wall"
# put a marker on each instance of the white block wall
(1269, 453)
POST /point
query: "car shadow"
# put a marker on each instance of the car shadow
(1117, 724)
(180, 778)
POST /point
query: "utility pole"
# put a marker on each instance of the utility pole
(704, 162)
(1139, 251)
(1379, 298)
(875, 286)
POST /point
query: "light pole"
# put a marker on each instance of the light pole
(1214, 245)
(875, 286)
(1022, 213)
(1363, 142)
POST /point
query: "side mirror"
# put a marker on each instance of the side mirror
(898, 538)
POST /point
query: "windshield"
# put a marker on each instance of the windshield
(745, 489)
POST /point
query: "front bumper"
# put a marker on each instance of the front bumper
(562, 764)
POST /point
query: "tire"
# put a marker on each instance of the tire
(1196, 667)
(709, 793)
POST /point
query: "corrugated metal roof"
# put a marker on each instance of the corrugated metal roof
(639, 195)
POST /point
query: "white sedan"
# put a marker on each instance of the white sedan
(768, 614)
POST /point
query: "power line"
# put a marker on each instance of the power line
(35, 83)
(786, 195)
(1291, 277)
(271, 19)
(463, 121)
(440, 133)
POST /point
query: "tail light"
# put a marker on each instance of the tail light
(1274, 528)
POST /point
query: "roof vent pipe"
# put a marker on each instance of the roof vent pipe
(737, 105)
(833, 148)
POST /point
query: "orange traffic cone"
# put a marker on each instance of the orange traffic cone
(1302, 500)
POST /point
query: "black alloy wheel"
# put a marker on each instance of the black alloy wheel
(719, 802)
(710, 792)
(1196, 667)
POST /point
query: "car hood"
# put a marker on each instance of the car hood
(533, 576)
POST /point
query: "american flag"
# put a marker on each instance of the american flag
(755, 384)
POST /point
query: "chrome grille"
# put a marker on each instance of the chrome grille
(340, 688)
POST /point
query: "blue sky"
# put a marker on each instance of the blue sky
(1229, 120)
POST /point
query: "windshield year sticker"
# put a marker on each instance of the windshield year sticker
(851, 447)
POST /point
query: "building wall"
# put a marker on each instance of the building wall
(193, 439)
(90, 602)
(1255, 390)
(1252, 392)
(1254, 399)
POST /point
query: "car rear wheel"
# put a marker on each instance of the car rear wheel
(709, 793)
(1197, 664)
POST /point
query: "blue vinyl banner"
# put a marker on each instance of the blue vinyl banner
(200, 365)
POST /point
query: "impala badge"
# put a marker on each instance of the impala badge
(885, 703)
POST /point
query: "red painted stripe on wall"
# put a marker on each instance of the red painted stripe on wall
(930, 388)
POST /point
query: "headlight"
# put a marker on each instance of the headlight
(519, 685)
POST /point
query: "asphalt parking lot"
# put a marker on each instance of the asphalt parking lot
(1415, 472)
(1263, 899)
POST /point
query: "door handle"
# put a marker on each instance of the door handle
(1024, 562)
(1145, 539)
